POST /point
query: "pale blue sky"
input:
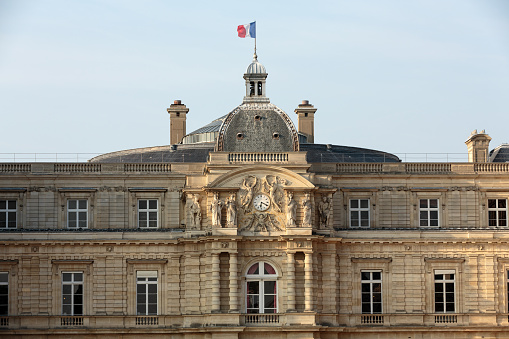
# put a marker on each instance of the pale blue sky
(399, 76)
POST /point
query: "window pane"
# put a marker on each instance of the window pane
(366, 297)
(82, 204)
(269, 287)
(377, 297)
(142, 204)
(433, 222)
(78, 276)
(78, 299)
(4, 309)
(354, 203)
(152, 204)
(66, 309)
(252, 287)
(433, 203)
(152, 288)
(253, 269)
(502, 203)
(66, 276)
(11, 204)
(423, 203)
(71, 204)
(433, 215)
(269, 301)
(268, 269)
(141, 288)
(3, 204)
(4, 277)
(152, 298)
(366, 308)
(364, 203)
(152, 309)
(377, 275)
(377, 307)
(449, 287)
(439, 307)
(365, 275)
(449, 307)
(366, 288)
(140, 309)
(439, 287)
(252, 301)
(492, 203)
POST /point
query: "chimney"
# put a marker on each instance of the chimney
(306, 120)
(177, 112)
(478, 146)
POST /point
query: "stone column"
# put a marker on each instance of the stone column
(290, 282)
(308, 282)
(234, 284)
(216, 301)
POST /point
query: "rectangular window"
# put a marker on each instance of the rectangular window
(428, 212)
(146, 293)
(72, 293)
(4, 294)
(497, 212)
(359, 212)
(8, 213)
(148, 213)
(371, 292)
(445, 291)
(77, 213)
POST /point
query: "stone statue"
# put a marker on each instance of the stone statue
(246, 192)
(231, 212)
(193, 212)
(308, 211)
(291, 211)
(215, 207)
(324, 211)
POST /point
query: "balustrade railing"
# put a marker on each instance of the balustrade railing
(359, 167)
(372, 319)
(147, 321)
(428, 167)
(266, 318)
(446, 319)
(71, 321)
(257, 157)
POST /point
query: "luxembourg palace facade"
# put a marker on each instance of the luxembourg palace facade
(245, 228)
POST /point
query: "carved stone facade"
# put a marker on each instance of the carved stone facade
(254, 245)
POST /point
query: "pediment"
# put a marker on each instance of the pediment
(235, 178)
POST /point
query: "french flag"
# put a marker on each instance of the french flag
(246, 31)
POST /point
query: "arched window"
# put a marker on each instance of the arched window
(261, 288)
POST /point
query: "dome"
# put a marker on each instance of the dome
(255, 67)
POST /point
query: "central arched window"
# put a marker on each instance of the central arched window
(261, 288)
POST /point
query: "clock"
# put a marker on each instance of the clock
(261, 202)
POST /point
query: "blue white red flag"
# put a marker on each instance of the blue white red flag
(247, 31)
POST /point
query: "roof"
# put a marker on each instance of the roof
(500, 153)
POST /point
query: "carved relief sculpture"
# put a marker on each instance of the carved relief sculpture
(324, 211)
(307, 207)
(193, 212)
(231, 212)
(215, 207)
(291, 211)
(262, 222)
(246, 192)
(272, 184)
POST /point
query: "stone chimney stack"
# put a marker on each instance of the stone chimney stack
(178, 112)
(306, 120)
(478, 146)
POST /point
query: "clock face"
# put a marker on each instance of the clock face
(261, 202)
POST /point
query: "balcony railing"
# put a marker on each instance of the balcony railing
(147, 321)
(372, 319)
(261, 319)
(71, 321)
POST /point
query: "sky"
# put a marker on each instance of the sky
(90, 76)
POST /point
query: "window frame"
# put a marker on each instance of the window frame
(443, 264)
(497, 211)
(145, 274)
(7, 294)
(358, 210)
(147, 211)
(371, 282)
(428, 211)
(135, 265)
(73, 295)
(261, 278)
(444, 292)
(77, 210)
(7, 211)
(76, 193)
